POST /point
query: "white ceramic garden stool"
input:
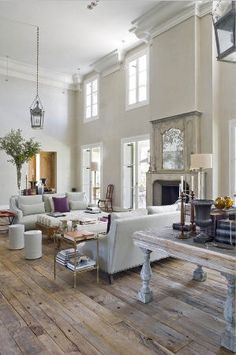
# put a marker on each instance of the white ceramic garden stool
(16, 236)
(33, 244)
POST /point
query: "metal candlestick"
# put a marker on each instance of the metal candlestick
(182, 235)
(192, 215)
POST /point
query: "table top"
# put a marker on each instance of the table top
(5, 213)
(208, 255)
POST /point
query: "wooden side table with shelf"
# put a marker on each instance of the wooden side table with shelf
(73, 239)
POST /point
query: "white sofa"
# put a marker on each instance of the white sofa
(27, 208)
(117, 251)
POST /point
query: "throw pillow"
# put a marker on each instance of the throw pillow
(76, 196)
(61, 204)
(78, 205)
(33, 209)
(162, 209)
(29, 200)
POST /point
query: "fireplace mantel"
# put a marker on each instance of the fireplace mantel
(189, 124)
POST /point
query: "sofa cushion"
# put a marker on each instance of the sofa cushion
(129, 214)
(33, 208)
(78, 205)
(77, 200)
(61, 204)
(162, 209)
(29, 200)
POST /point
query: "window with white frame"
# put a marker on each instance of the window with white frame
(137, 80)
(232, 165)
(91, 99)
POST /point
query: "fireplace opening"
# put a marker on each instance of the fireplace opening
(169, 194)
(166, 192)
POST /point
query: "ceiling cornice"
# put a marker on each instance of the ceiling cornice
(28, 72)
(166, 15)
(107, 64)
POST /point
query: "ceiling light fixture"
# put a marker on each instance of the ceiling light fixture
(224, 21)
(36, 108)
(92, 4)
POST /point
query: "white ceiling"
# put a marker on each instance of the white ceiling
(71, 36)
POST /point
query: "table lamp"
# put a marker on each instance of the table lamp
(200, 162)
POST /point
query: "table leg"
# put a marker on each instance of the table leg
(228, 339)
(199, 274)
(145, 293)
(75, 260)
(97, 261)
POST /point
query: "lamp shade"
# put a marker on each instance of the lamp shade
(201, 161)
(94, 166)
(224, 25)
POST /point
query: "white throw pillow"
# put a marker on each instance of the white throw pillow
(78, 205)
(162, 209)
(129, 214)
(33, 209)
(76, 196)
(29, 200)
(77, 200)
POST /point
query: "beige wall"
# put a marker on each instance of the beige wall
(58, 134)
(180, 81)
(227, 112)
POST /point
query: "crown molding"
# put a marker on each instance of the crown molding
(108, 64)
(26, 71)
(166, 15)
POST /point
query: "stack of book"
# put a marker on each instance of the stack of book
(64, 256)
(84, 220)
(83, 262)
(76, 236)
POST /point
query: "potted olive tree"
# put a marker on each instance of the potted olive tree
(19, 149)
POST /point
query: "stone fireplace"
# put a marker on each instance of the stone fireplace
(173, 140)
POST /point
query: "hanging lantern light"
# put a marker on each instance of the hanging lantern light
(36, 108)
(225, 27)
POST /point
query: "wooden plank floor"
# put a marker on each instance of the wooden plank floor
(41, 316)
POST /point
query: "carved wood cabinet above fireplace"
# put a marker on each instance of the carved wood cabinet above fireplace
(173, 140)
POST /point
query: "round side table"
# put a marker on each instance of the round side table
(16, 236)
(33, 244)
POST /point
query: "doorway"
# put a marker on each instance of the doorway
(91, 171)
(43, 166)
(135, 164)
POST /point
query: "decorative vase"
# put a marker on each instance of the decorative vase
(203, 219)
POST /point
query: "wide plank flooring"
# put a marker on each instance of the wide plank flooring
(41, 316)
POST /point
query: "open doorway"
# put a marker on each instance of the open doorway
(43, 166)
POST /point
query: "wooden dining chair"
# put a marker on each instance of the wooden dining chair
(106, 204)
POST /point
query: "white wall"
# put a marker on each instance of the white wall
(58, 134)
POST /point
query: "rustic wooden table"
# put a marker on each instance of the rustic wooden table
(207, 255)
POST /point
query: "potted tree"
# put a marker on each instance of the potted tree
(19, 149)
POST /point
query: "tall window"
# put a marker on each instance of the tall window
(232, 150)
(137, 80)
(91, 171)
(135, 163)
(91, 99)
